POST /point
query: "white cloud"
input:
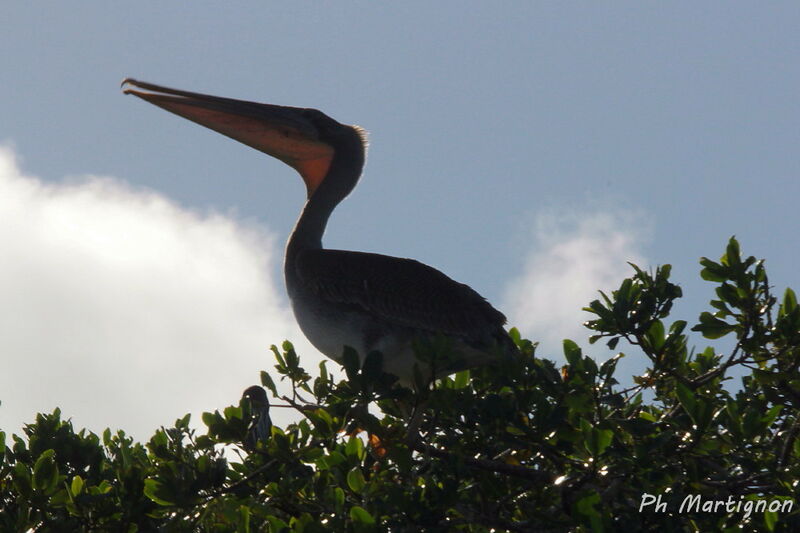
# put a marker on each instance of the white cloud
(126, 310)
(573, 256)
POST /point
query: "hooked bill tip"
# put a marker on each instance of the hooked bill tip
(127, 81)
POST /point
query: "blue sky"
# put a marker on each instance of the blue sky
(527, 149)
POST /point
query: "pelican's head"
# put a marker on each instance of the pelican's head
(308, 140)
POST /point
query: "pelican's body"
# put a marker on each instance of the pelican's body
(368, 302)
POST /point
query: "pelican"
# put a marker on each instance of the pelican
(341, 298)
(260, 423)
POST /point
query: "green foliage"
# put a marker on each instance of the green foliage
(520, 446)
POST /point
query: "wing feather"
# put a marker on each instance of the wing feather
(400, 291)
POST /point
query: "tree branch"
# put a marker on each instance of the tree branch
(486, 464)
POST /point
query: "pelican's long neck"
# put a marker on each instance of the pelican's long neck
(307, 234)
(310, 226)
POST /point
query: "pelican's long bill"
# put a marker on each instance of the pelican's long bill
(286, 133)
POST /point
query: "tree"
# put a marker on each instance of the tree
(521, 446)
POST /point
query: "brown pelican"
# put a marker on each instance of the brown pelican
(368, 302)
(260, 423)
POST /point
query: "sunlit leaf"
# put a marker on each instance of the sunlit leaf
(156, 491)
(360, 515)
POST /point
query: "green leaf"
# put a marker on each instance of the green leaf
(751, 422)
(338, 495)
(789, 301)
(160, 438)
(371, 370)
(22, 480)
(596, 307)
(267, 381)
(514, 430)
(647, 416)
(685, 396)
(586, 429)
(355, 480)
(45, 472)
(586, 504)
(677, 327)
(712, 327)
(728, 294)
(572, 352)
(586, 507)
(76, 486)
(663, 273)
(321, 419)
(233, 412)
(771, 415)
(276, 524)
(687, 400)
(733, 254)
(156, 491)
(104, 487)
(279, 356)
(360, 515)
(595, 440)
(623, 295)
(351, 362)
(244, 517)
(639, 272)
(604, 438)
(655, 335)
(355, 448)
(713, 271)
(461, 379)
(329, 461)
(770, 519)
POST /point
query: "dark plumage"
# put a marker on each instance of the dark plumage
(260, 424)
(342, 298)
(401, 291)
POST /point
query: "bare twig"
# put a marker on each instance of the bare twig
(295, 405)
